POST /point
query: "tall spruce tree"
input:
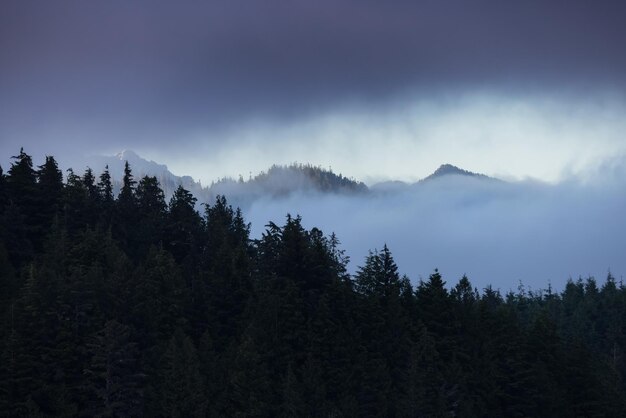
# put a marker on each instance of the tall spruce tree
(20, 218)
(113, 374)
(151, 214)
(126, 216)
(105, 198)
(50, 192)
(183, 232)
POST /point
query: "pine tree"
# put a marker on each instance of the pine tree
(226, 270)
(434, 307)
(379, 281)
(50, 192)
(182, 390)
(21, 182)
(114, 376)
(76, 203)
(379, 276)
(156, 299)
(183, 234)
(126, 198)
(4, 193)
(20, 217)
(93, 197)
(105, 188)
(126, 216)
(8, 281)
(292, 404)
(13, 230)
(249, 387)
(151, 212)
(105, 198)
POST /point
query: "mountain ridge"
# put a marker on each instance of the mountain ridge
(278, 181)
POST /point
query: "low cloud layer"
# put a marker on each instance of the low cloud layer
(497, 233)
(546, 136)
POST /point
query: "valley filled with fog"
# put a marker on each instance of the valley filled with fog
(497, 233)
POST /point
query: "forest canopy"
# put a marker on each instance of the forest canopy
(129, 305)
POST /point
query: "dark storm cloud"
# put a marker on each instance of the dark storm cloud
(151, 70)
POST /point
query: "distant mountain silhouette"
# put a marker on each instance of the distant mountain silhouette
(278, 181)
(444, 170)
(142, 167)
(452, 170)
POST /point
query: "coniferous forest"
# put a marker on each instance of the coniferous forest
(129, 305)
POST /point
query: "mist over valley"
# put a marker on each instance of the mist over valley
(455, 220)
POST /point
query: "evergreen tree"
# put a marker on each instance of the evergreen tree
(380, 282)
(93, 197)
(105, 198)
(182, 389)
(184, 226)
(292, 404)
(50, 192)
(105, 188)
(379, 276)
(126, 198)
(20, 217)
(126, 216)
(249, 386)
(4, 193)
(14, 231)
(434, 306)
(113, 373)
(226, 270)
(151, 213)
(76, 203)
(21, 182)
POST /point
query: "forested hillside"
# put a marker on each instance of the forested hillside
(282, 181)
(278, 181)
(129, 305)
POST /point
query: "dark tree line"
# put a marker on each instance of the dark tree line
(130, 305)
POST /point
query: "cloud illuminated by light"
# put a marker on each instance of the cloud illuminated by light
(540, 136)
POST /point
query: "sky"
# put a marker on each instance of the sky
(375, 90)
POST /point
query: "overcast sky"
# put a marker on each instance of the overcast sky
(374, 89)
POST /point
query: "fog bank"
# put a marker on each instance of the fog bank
(496, 232)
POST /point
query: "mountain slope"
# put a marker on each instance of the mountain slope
(444, 171)
(278, 181)
(141, 167)
(282, 181)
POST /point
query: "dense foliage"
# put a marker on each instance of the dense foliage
(130, 306)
